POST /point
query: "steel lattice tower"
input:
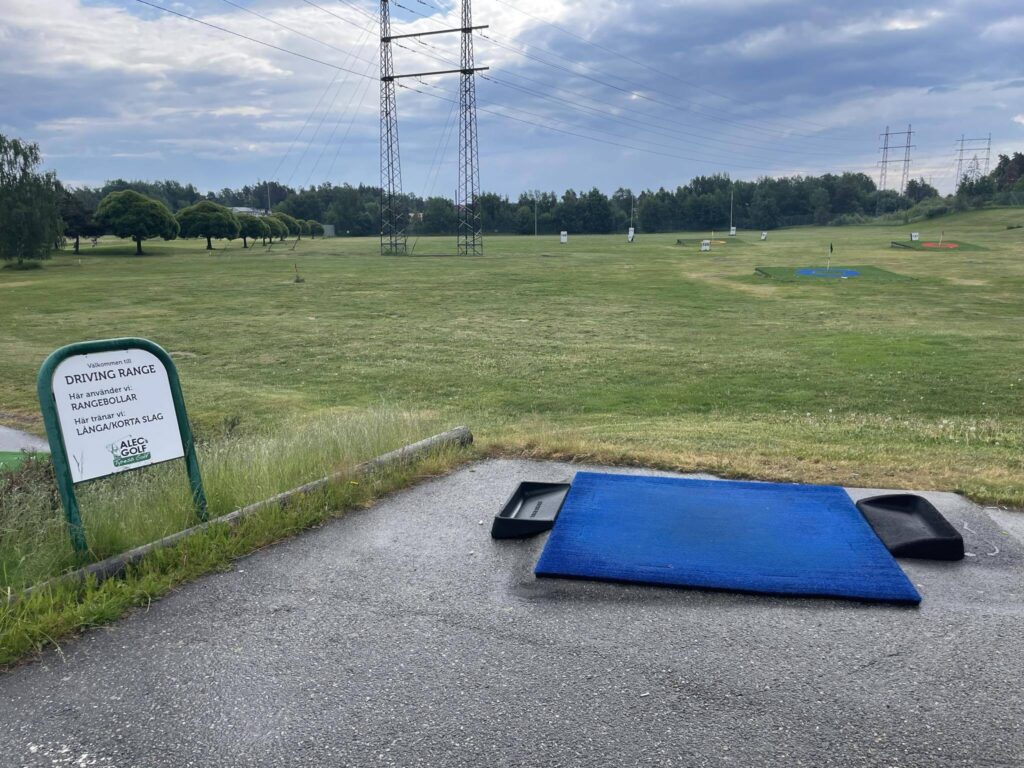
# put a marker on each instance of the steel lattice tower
(393, 219)
(886, 160)
(906, 161)
(884, 165)
(976, 145)
(470, 234)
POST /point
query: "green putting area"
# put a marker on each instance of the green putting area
(830, 273)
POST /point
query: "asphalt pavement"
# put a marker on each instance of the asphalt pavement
(403, 635)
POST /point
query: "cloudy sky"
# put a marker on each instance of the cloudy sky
(602, 93)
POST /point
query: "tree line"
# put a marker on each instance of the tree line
(38, 213)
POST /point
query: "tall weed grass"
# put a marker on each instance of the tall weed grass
(134, 508)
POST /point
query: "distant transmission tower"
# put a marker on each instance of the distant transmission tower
(884, 165)
(393, 217)
(471, 236)
(886, 160)
(906, 162)
(968, 146)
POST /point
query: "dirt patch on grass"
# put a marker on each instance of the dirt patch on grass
(735, 285)
(18, 283)
(19, 419)
(965, 281)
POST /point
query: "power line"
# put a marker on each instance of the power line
(250, 39)
(293, 30)
(370, 77)
(565, 101)
(340, 18)
(724, 162)
(638, 62)
(348, 130)
(576, 134)
(302, 130)
(635, 94)
(327, 111)
(352, 101)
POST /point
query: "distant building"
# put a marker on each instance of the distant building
(249, 211)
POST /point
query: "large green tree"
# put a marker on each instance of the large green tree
(277, 228)
(79, 220)
(290, 222)
(30, 222)
(919, 189)
(209, 220)
(129, 214)
(315, 228)
(254, 227)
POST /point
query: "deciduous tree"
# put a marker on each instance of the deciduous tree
(129, 214)
(254, 227)
(209, 220)
(290, 223)
(30, 222)
(79, 220)
(277, 228)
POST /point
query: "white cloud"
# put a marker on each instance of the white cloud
(1008, 29)
(243, 111)
(1019, 119)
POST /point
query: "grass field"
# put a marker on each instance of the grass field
(651, 352)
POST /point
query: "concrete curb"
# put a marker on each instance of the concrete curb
(112, 566)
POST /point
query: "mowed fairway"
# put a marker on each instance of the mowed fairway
(650, 352)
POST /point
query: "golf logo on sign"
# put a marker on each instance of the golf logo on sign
(130, 450)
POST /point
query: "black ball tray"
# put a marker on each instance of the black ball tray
(910, 526)
(531, 509)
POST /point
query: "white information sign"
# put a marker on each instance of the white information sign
(764, 235)
(630, 235)
(705, 245)
(116, 412)
(732, 231)
(564, 237)
(915, 236)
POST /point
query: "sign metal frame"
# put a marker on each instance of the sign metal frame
(58, 451)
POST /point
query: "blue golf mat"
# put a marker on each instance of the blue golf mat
(773, 538)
